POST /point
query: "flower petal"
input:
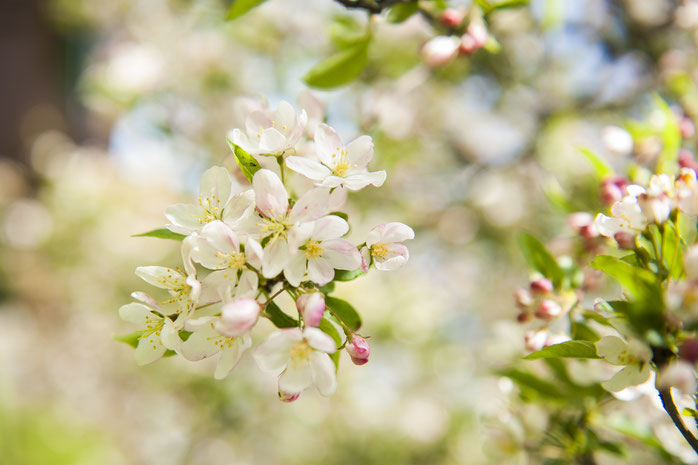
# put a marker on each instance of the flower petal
(613, 349)
(202, 343)
(239, 207)
(319, 340)
(216, 187)
(360, 151)
(149, 350)
(230, 356)
(311, 206)
(297, 377)
(397, 232)
(632, 375)
(273, 354)
(270, 194)
(341, 254)
(185, 215)
(329, 227)
(275, 258)
(272, 142)
(136, 313)
(327, 142)
(323, 373)
(356, 181)
(309, 168)
(159, 276)
(320, 271)
(295, 269)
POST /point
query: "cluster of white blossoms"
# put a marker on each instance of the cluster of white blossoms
(241, 248)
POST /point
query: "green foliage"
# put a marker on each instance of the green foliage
(488, 6)
(402, 11)
(340, 68)
(344, 311)
(328, 328)
(344, 275)
(279, 318)
(568, 349)
(240, 7)
(247, 162)
(162, 233)
(671, 138)
(540, 259)
(601, 167)
(130, 339)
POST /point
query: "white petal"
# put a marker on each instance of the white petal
(397, 256)
(149, 349)
(284, 118)
(341, 254)
(247, 285)
(320, 271)
(229, 358)
(146, 299)
(311, 169)
(256, 122)
(159, 276)
(360, 152)
(239, 207)
(631, 375)
(275, 258)
(299, 235)
(397, 232)
(327, 142)
(253, 253)
(169, 334)
(323, 373)
(354, 182)
(311, 206)
(295, 269)
(249, 145)
(297, 377)
(270, 194)
(612, 349)
(202, 343)
(272, 142)
(136, 313)
(185, 215)
(319, 340)
(338, 197)
(330, 227)
(217, 286)
(216, 186)
(273, 354)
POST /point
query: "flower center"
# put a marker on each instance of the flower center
(235, 261)
(210, 208)
(379, 250)
(300, 352)
(313, 249)
(340, 164)
(153, 325)
(276, 228)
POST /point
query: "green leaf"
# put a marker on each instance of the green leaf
(671, 138)
(673, 247)
(344, 311)
(689, 412)
(342, 215)
(328, 328)
(532, 382)
(162, 233)
(540, 259)
(568, 349)
(279, 317)
(344, 275)
(340, 68)
(602, 169)
(582, 332)
(402, 11)
(327, 288)
(247, 162)
(240, 7)
(130, 339)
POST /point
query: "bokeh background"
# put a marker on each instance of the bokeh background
(112, 110)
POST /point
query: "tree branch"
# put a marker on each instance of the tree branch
(670, 407)
(374, 7)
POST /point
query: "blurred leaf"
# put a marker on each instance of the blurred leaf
(402, 11)
(327, 288)
(328, 328)
(568, 349)
(613, 448)
(345, 32)
(162, 233)
(130, 339)
(279, 317)
(556, 196)
(240, 7)
(540, 259)
(671, 138)
(673, 247)
(689, 412)
(345, 312)
(601, 167)
(492, 45)
(340, 68)
(489, 6)
(582, 332)
(344, 275)
(533, 382)
(247, 162)
(342, 215)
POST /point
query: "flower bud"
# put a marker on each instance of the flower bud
(358, 349)
(523, 317)
(689, 351)
(687, 160)
(548, 310)
(535, 340)
(610, 193)
(617, 140)
(478, 32)
(687, 128)
(451, 17)
(440, 50)
(468, 44)
(541, 286)
(680, 375)
(238, 317)
(311, 306)
(523, 298)
(625, 240)
(288, 397)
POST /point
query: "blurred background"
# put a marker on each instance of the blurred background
(111, 112)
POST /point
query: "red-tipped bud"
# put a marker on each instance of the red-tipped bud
(358, 349)
(610, 193)
(548, 310)
(687, 128)
(625, 240)
(238, 317)
(288, 397)
(689, 351)
(311, 306)
(687, 160)
(478, 32)
(451, 17)
(468, 44)
(541, 286)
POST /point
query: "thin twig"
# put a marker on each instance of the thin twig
(670, 407)
(374, 7)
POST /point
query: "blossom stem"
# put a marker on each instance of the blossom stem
(670, 407)
(273, 297)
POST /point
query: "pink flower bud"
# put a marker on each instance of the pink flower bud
(440, 50)
(687, 160)
(311, 306)
(288, 397)
(541, 286)
(548, 310)
(535, 340)
(687, 128)
(523, 298)
(238, 317)
(451, 17)
(358, 349)
(625, 240)
(468, 44)
(479, 33)
(617, 140)
(689, 351)
(589, 231)
(610, 193)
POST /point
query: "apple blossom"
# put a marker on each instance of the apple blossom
(634, 356)
(271, 132)
(358, 349)
(311, 306)
(627, 217)
(185, 290)
(384, 246)
(338, 165)
(158, 333)
(440, 50)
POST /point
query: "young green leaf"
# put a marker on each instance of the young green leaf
(344, 275)
(402, 11)
(601, 167)
(130, 339)
(671, 138)
(279, 317)
(344, 311)
(247, 163)
(328, 328)
(568, 349)
(340, 68)
(240, 7)
(540, 259)
(162, 233)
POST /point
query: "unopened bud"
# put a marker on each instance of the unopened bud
(680, 375)
(548, 310)
(238, 317)
(687, 160)
(468, 44)
(689, 351)
(541, 286)
(625, 240)
(311, 306)
(288, 397)
(656, 208)
(358, 349)
(687, 128)
(535, 340)
(523, 298)
(478, 32)
(451, 17)
(617, 140)
(610, 193)
(523, 317)
(440, 50)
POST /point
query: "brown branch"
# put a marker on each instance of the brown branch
(373, 7)
(670, 407)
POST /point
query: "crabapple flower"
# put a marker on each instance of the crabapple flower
(311, 306)
(384, 246)
(218, 247)
(284, 229)
(158, 333)
(627, 218)
(656, 203)
(206, 341)
(271, 133)
(440, 50)
(323, 252)
(358, 349)
(185, 290)
(634, 356)
(338, 165)
(304, 358)
(216, 202)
